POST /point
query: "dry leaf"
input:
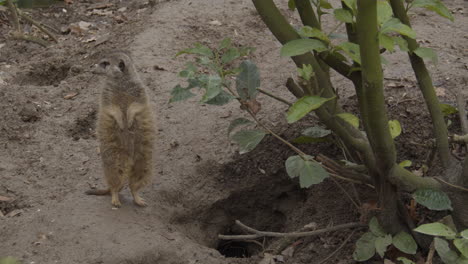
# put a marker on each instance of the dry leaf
(215, 23)
(441, 92)
(267, 259)
(70, 95)
(5, 199)
(15, 212)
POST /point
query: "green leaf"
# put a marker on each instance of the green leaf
(462, 245)
(405, 163)
(221, 99)
(230, 55)
(351, 4)
(350, 118)
(189, 71)
(384, 11)
(395, 128)
(303, 106)
(405, 260)
(464, 234)
(426, 53)
(434, 5)
(238, 122)
(199, 49)
(316, 132)
(325, 4)
(244, 51)
(386, 42)
(248, 81)
(375, 228)
(433, 199)
(309, 171)
(448, 109)
(365, 247)
(9, 260)
(248, 139)
(309, 32)
(180, 93)
(436, 229)
(213, 88)
(352, 50)
(402, 43)
(301, 46)
(446, 254)
(381, 244)
(395, 25)
(224, 44)
(343, 15)
(292, 5)
(405, 243)
(307, 140)
(306, 72)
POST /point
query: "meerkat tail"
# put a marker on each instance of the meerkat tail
(98, 192)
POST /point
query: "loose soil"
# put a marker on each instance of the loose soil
(201, 184)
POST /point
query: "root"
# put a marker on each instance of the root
(258, 234)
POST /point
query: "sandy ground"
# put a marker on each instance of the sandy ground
(201, 185)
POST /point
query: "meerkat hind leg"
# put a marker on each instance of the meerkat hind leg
(136, 197)
(115, 198)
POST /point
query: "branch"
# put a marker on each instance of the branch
(373, 103)
(425, 85)
(21, 36)
(294, 88)
(258, 234)
(274, 96)
(37, 24)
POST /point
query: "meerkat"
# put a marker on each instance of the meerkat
(125, 128)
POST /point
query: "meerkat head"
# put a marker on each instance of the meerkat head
(117, 65)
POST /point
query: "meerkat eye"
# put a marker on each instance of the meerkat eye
(104, 64)
(122, 65)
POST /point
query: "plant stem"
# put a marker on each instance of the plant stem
(274, 97)
(426, 87)
(38, 25)
(14, 15)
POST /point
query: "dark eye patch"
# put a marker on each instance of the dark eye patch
(104, 64)
(122, 66)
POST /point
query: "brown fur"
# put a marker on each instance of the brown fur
(125, 129)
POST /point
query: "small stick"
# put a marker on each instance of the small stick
(346, 193)
(37, 24)
(338, 249)
(258, 234)
(461, 109)
(19, 35)
(274, 97)
(452, 185)
(430, 255)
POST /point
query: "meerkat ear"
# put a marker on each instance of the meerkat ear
(122, 66)
(104, 64)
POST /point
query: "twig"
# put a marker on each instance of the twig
(37, 24)
(258, 234)
(14, 15)
(274, 97)
(430, 255)
(21, 36)
(452, 185)
(461, 108)
(338, 249)
(460, 139)
(346, 193)
(294, 88)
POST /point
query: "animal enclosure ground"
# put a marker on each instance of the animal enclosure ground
(49, 155)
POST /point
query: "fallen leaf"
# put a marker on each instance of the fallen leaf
(99, 6)
(14, 213)
(102, 39)
(2, 45)
(267, 259)
(5, 199)
(1, 214)
(441, 92)
(70, 95)
(101, 12)
(288, 252)
(90, 39)
(215, 23)
(253, 105)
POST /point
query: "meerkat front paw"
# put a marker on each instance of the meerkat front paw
(139, 201)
